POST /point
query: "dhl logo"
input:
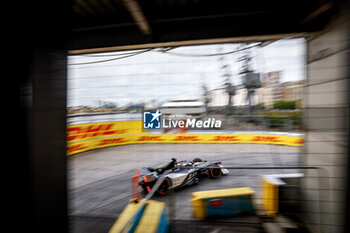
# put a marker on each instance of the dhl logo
(75, 147)
(150, 138)
(300, 141)
(225, 139)
(266, 139)
(186, 138)
(111, 141)
(81, 132)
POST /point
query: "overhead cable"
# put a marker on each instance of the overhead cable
(206, 55)
(111, 59)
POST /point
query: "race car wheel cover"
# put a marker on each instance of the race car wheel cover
(164, 187)
(215, 172)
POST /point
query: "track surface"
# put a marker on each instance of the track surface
(100, 180)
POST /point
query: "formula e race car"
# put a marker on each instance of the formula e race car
(181, 174)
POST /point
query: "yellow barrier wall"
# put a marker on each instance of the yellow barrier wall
(97, 130)
(201, 199)
(269, 197)
(97, 135)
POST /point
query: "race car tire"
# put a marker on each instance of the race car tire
(196, 180)
(214, 172)
(149, 185)
(164, 187)
(144, 188)
(197, 160)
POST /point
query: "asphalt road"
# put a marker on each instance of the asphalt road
(100, 180)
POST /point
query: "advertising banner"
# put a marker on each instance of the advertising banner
(86, 137)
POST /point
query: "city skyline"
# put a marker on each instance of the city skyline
(154, 75)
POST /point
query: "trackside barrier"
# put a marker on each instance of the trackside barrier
(128, 212)
(130, 220)
(269, 197)
(282, 193)
(151, 218)
(223, 202)
(81, 132)
(86, 137)
(145, 215)
(154, 219)
(271, 190)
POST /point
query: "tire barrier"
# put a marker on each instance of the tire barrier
(86, 137)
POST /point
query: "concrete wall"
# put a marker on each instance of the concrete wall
(326, 99)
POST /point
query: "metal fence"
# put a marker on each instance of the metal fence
(230, 122)
(257, 122)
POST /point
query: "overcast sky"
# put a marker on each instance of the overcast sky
(154, 75)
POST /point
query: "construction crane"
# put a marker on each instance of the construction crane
(251, 80)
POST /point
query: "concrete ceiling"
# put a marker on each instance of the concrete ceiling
(105, 25)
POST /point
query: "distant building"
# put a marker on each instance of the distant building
(271, 90)
(177, 108)
(294, 91)
(241, 98)
(219, 98)
(265, 96)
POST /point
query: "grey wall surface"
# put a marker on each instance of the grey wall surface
(325, 120)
